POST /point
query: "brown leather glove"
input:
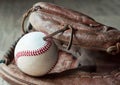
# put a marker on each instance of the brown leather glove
(73, 28)
(84, 44)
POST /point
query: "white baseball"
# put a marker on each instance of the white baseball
(35, 56)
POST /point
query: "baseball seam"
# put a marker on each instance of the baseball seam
(34, 52)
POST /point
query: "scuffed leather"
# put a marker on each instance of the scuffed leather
(90, 42)
(88, 33)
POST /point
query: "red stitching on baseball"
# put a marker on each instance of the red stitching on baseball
(34, 52)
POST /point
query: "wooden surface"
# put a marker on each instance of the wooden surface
(11, 11)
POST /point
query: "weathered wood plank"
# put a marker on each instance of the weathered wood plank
(92, 7)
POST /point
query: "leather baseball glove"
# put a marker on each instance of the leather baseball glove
(92, 48)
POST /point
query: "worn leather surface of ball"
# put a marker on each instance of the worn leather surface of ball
(34, 55)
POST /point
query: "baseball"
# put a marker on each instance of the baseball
(34, 55)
